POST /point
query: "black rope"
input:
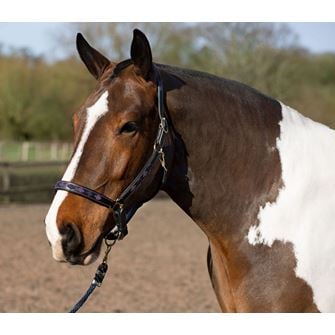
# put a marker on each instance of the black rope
(83, 299)
(96, 282)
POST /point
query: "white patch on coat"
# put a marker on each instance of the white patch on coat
(94, 113)
(304, 212)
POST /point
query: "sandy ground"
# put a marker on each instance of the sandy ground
(159, 267)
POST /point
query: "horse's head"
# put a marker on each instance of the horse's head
(114, 135)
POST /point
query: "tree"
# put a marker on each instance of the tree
(38, 98)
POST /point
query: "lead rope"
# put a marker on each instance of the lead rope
(98, 278)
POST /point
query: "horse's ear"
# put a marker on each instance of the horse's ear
(140, 53)
(95, 62)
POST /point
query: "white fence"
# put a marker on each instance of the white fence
(11, 151)
(20, 181)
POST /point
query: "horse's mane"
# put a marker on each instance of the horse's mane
(228, 86)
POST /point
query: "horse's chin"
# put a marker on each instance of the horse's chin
(91, 258)
(88, 257)
(84, 260)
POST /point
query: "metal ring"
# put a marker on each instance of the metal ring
(164, 125)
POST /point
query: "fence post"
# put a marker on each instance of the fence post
(25, 151)
(6, 184)
(65, 152)
(53, 151)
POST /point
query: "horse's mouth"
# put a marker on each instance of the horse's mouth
(87, 257)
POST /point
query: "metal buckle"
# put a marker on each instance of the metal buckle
(120, 230)
(164, 125)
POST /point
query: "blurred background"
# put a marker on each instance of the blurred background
(42, 82)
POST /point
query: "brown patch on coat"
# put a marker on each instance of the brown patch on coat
(231, 169)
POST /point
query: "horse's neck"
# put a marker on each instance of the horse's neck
(225, 164)
(265, 201)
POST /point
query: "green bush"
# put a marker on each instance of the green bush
(37, 98)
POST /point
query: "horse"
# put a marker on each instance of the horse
(255, 175)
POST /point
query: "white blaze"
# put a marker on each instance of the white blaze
(304, 212)
(94, 113)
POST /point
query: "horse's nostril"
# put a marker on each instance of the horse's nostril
(71, 239)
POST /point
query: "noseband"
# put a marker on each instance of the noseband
(121, 215)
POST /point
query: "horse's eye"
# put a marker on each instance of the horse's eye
(129, 128)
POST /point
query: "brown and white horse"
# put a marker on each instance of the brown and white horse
(255, 175)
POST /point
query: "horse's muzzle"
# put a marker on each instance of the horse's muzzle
(71, 240)
(72, 243)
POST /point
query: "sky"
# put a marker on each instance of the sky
(39, 37)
